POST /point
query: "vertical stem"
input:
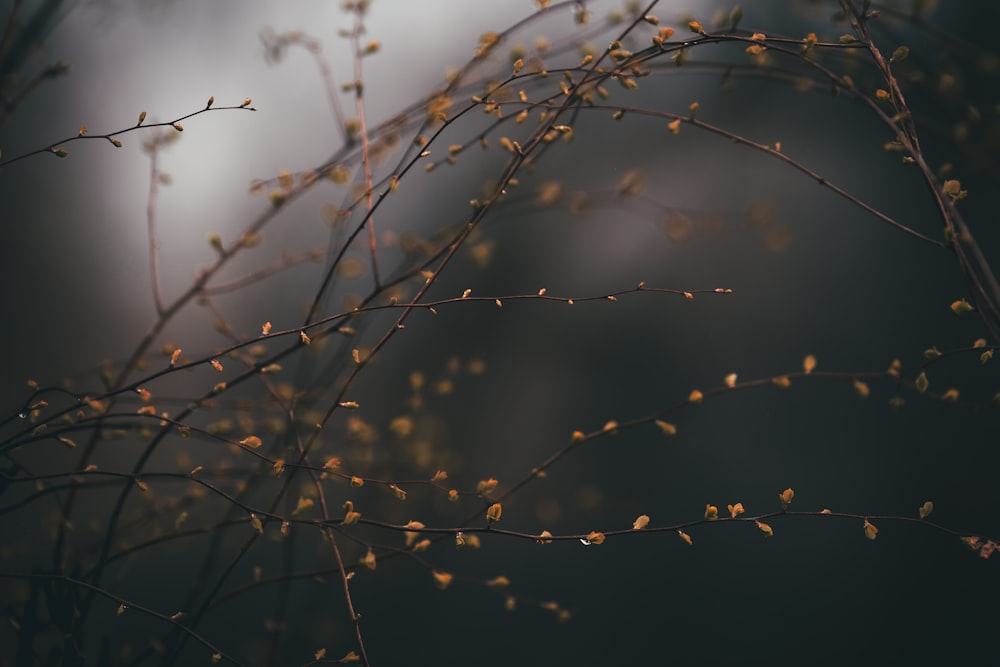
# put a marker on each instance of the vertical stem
(359, 102)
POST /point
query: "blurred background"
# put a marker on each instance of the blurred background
(493, 392)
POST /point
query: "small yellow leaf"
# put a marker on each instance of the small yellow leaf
(961, 307)
(764, 528)
(306, 340)
(494, 512)
(694, 26)
(251, 441)
(486, 485)
(951, 395)
(666, 427)
(498, 582)
(809, 363)
(782, 381)
(926, 509)
(735, 510)
(684, 536)
(453, 495)
(303, 504)
(595, 538)
(711, 512)
(320, 654)
(921, 383)
(441, 579)
(696, 396)
(971, 541)
(257, 525)
(543, 537)
(175, 357)
(861, 388)
(730, 380)
(350, 518)
(641, 522)
(786, 498)
(675, 126)
(439, 476)
(357, 482)
(400, 493)
(216, 365)
(871, 532)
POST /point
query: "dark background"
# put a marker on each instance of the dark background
(847, 288)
